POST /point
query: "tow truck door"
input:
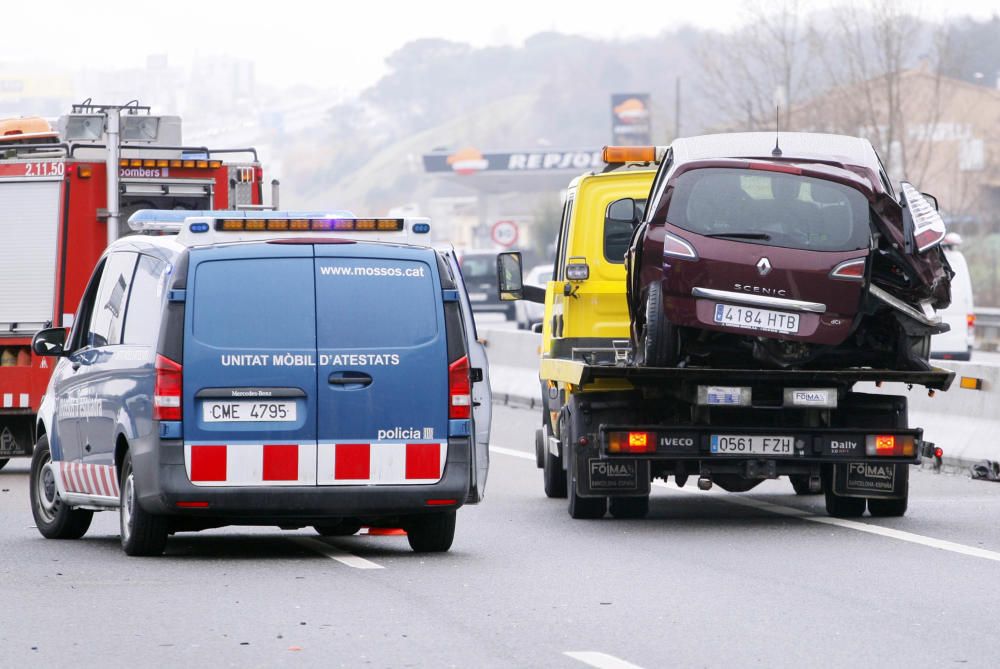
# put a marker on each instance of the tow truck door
(382, 366)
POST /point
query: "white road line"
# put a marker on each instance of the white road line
(512, 452)
(334, 553)
(600, 660)
(735, 498)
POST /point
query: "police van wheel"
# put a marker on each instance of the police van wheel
(53, 518)
(344, 528)
(431, 533)
(887, 508)
(143, 533)
(628, 507)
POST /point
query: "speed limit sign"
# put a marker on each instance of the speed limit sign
(504, 233)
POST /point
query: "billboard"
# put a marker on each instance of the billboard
(469, 161)
(630, 123)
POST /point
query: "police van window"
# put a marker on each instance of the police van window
(108, 310)
(145, 302)
(366, 303)
(255, 303)
(617, 234)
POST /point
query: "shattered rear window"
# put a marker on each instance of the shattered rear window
(786, 210)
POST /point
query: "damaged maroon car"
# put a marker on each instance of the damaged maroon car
(789, 252)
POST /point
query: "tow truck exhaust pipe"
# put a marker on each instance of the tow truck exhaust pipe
(704, 483)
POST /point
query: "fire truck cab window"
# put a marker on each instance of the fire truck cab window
(108, 310)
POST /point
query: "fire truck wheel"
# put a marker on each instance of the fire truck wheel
(628, 507)
(344, 528)
(143, 534)
(887, 508)
(658, 342)
(3, 462)
(53, 519)
(431, 533)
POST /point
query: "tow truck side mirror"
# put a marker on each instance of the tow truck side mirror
(625, 210)
(510, 281)
(49, 342)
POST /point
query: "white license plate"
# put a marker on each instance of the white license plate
(249, 412)
(744, 444)
(756, 319)
(477, 297)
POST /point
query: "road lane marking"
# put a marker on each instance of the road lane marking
(890, 533)
(512, 452)
(334, 553)
(600, 660)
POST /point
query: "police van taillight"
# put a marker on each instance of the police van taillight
(459, 389)
(167, 392)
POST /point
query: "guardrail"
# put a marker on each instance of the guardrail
(987, 328)
(965, 423)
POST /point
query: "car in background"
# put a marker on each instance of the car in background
(529, 314)
(479, 269)
(957, 343)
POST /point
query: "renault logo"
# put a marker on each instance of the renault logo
(764, 266)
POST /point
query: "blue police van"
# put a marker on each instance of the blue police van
(264, 368)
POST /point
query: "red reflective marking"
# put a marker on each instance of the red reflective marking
(423, 461)
(109, 478)
(281, 462)
(208, 463)
(386, 532)
(352, 462)
(192, 505)
(95, 475)
(441, 502)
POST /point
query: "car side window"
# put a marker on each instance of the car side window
(145, 303)
(108, 310)
(81, 324)
(560, 273)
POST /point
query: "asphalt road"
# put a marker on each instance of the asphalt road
(708, 580)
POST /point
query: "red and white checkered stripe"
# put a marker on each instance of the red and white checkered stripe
(98, 480)
(366, 463)
(213, 464)
(349, 462)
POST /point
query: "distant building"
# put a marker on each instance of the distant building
(939, 133)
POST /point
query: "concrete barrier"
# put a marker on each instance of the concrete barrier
(964, 423)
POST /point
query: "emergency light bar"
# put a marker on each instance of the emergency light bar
(618, 155)
(171, 162)
(196, 228)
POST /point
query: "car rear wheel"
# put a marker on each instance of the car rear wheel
(658, 341)
(431, 533)
(628, 507)
(344, 528)
(53, 518)
(143, 533)
(887, 508)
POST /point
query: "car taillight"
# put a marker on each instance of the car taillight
(675, 247)
(167, 393)
(631, 442)
(849, 270)
(459, 389)
(890, 445)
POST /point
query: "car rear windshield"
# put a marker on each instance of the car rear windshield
(770, 208)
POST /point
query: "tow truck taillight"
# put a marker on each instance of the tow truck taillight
(459, 389)
(167, 393)
(631, 442)
(899, 445)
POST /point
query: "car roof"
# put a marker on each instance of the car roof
(794, 145)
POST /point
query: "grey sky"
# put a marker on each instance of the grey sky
(340, 44)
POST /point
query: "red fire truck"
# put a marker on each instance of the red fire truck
(65, 193)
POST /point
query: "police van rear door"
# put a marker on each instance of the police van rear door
(382, 366)
(249, 374)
